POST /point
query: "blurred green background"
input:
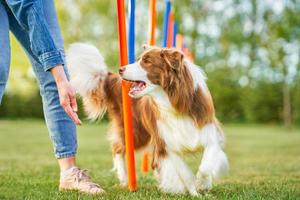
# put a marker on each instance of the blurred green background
(249, 50)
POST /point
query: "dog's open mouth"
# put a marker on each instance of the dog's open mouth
(137, 87)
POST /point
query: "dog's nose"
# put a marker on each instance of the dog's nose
(121, 70)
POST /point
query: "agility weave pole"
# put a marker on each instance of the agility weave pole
(151, 42)
(174, 33)
(152, 22)
(166, 23)
(127, 111)
(170, 30)
(169, 40)
(131, 31)
(179, 41)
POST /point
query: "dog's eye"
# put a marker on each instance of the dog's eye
(146, 60)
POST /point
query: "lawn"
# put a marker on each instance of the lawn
(264, 159)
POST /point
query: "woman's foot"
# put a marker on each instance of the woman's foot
(77, 179)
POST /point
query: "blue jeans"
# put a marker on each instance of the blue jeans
(61, 128)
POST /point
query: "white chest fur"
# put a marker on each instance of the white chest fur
(181, 135)
(179, 132)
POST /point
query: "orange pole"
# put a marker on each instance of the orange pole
(188, 54)
(127, 111)
(170, 30)
(151, 41)
(145, 162)
(152, 22)
(179, 42)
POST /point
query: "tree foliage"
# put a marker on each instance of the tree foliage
(249, 50)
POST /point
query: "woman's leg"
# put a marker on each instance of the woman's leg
(5, 50)
(61, 128)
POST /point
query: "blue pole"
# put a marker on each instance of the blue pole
(174, 34)
(131, 31)
(166, 22)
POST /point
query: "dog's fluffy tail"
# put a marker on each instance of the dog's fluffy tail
(87, 70)
(86, 67)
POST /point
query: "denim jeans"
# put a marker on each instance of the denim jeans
(61, 128)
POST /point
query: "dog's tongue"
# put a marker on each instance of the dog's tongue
(140, 85)
(135, 88)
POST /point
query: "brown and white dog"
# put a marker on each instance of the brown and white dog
(172, 111)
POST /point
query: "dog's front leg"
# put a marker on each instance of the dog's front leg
(214, 164)
(175, 176)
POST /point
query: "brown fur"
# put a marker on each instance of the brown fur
(148, 119)
(165, 68)
(108, 95)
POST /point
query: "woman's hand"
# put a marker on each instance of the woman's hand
(67, 95)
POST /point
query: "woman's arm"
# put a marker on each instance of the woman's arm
(67, 95)
(30, 15)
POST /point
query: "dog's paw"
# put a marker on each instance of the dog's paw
(203, 182)
(123, 181)
(123, 184)
(156, 175)
(194, 193)
(113, 169)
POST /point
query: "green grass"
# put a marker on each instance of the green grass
(265, 164)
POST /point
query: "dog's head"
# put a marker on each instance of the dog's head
(156, 67)
(160, 69)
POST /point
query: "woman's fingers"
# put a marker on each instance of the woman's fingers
(69, 106)
(73, 102)
(67, 98)
(74, 108)
(73, 115)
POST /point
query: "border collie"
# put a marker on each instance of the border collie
(173, 112)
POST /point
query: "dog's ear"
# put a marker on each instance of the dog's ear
(173, 58)
(146, 46)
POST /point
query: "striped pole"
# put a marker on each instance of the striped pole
(127, 112)
(166, 23)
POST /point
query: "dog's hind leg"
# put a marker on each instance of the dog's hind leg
(214, 161)
(120, 167)
(118, 152)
